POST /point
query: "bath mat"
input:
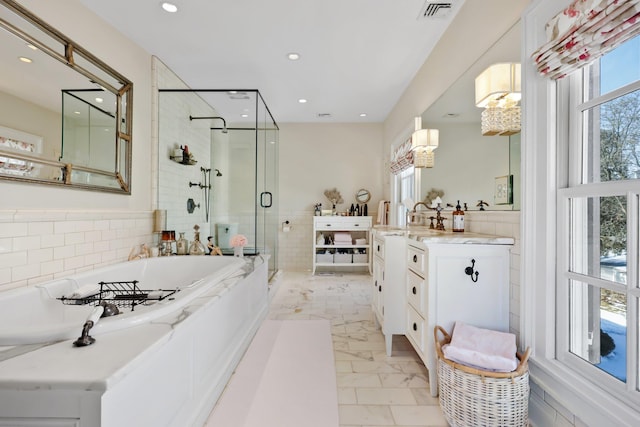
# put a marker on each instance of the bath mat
(285, 379)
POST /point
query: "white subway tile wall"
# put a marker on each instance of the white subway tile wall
(37, 246)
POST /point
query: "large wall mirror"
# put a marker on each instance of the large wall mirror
(468, 166)
(65, 116)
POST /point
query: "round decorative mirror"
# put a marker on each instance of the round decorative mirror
(363, 196)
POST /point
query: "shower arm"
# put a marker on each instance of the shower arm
(224, 122)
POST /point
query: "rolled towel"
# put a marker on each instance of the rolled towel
(155, 294)
(482, 348)
(85, 291)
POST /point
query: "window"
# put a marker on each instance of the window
(405, 189)
(598, 218)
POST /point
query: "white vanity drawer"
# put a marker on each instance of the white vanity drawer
(416, 260)
(416, 329)
(417, 294)
(378, 248)
(344, 223)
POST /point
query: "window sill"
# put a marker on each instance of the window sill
(582, 398)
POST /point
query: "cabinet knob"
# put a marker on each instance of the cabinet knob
(380, 288)
(414, 290)
(415, 258)
(356, 225)
(375, 284)
(415, 327)
(378, 248)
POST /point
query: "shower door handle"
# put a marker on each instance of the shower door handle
(262, 198)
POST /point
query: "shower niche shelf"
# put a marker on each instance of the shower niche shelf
(178, 159)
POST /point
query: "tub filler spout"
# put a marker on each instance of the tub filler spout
(85, 339)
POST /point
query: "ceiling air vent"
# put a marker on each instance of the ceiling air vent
(432, 9)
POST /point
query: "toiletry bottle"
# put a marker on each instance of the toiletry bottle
(182, 245)
(196, 248)
(458, 218)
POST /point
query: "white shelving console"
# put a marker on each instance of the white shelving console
(326, 253)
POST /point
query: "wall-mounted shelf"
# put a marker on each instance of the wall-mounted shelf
(179, 160)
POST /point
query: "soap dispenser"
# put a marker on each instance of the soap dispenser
(458, 219)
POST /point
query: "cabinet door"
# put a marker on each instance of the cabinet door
(376, 296)
(483, 303)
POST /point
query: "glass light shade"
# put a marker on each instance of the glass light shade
(425, 139)
(497, 83)
(424, 158)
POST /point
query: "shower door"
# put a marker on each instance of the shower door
(267, 225)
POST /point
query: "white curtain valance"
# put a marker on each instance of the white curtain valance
(585, 31)
(402, 158)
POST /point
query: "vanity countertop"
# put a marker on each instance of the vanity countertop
(427, 235)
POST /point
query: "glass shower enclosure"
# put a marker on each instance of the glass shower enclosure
(233, 185)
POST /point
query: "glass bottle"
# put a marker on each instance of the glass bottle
(182, 245)
(196, 248)
(458, 219)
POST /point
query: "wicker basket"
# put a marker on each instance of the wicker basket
(473, 397)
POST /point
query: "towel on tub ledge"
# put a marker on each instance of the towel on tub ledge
(85, 291)
(482, 348)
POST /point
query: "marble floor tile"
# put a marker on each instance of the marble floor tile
(374, 415)
(385, 396)
(415, 415)
(373, 389)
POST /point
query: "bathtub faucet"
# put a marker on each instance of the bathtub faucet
(86, 339)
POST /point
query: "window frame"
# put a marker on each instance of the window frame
(573, 141)
(555, 386)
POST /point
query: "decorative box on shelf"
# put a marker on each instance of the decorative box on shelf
(343, 258)
(324, 258)
(360, 258)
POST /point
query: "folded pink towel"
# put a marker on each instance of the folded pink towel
(482, 348)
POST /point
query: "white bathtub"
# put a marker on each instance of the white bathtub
(163, 364)
(35, 315)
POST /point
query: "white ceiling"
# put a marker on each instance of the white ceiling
(357, 56)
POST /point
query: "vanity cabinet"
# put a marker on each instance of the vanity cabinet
(389, 302)
(329, 250)
(440, 292)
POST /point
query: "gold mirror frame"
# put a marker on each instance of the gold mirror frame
(80, 60)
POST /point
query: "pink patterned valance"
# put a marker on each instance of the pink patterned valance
(402, 158)
(584, 31)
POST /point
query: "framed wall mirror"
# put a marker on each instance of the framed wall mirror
(477, 161)
(65, 116)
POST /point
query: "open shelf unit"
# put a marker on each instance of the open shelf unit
(327, 252)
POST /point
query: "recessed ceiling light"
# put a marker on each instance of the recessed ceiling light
(25, 59)
(363, 114)
(32, 47)
(244, 115)
(302, 101)
(76, 112)
(99, 100)
(169, 7)
(293, 56)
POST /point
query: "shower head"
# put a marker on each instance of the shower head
(218, 173)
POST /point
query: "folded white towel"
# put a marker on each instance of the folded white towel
(381, 215)
(482, 348)
(85, 291)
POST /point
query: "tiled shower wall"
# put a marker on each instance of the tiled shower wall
(39, 245)
(296, 246)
